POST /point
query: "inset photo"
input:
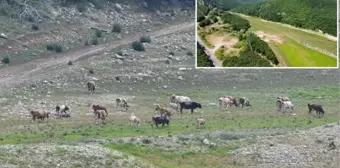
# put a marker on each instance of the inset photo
(272, 33)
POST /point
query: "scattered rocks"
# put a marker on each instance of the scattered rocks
(2, 35)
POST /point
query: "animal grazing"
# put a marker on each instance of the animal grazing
(99, 107)
(174, 106)
(100, 115)
(39, 114)
(315, 107)
(134, 119)
(122, 103)
(285, 105)
(163, 111)
(61, 109)
(283, 98)
(225, 101)
(91, 86)
(200, 122)
(159, 119)
(179, 99)
(279, 101)
(189, 105)
(244, 102)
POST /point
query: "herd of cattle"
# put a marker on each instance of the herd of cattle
(177, 103)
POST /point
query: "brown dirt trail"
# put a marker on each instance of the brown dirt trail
(15, 75)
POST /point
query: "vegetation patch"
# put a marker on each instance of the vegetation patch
(297, 55)
(202, 58)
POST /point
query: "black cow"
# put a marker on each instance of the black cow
(244, 102)
(61, 108)
(316, 107)
(189, 105)
(160, 119)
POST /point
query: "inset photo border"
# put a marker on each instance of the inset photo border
(267, 34)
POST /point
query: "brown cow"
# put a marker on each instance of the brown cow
(100, 115)
(39, 114)
(91, 86)
(163, 111)
(99, 107)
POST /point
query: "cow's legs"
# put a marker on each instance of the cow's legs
(192, 111)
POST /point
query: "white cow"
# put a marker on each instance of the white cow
(179, 99)
(225, 102)
(285, 106)
(134, 120)
(174, 106)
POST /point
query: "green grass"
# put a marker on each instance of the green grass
(298, 55)
(216, 157)
(202, 35)
(220, 54)
(185, 125)
(312, 39)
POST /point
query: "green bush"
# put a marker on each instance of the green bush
(202, 58)
(116, 28)
(81, 7)
(86, 43)
(99, 33)
(70, 63)
(6, 60)
(189, 53)
(35, 27)
(145, 39)
(50, 47)
(138, 46)
(95, 41)
(58, 48)
(91, 71)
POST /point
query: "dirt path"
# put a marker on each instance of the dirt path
(15, 75)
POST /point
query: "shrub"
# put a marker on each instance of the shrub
(81, 7)
(116, 28)
(189, 53)
(58, 48)
(94, 41)
(91, 71)
(86, 43)
(70, 63)
(6, 60)
(50, 47)
(120, 53)
(138, 46)
(99, 33)
(145, 39)
(35, 27)
(171, 53)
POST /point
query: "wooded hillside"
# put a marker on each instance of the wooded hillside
(310, 14)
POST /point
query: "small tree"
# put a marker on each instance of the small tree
(35, 27)
(6, 60)
(58, 48)
(94, 41)
(138, 46)
(70, 63)
(91, 71)
(50, 47)
(99, 33)
(116, 28)
(145, 39)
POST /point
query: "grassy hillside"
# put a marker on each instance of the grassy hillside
(296, 47)
(314, 15)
